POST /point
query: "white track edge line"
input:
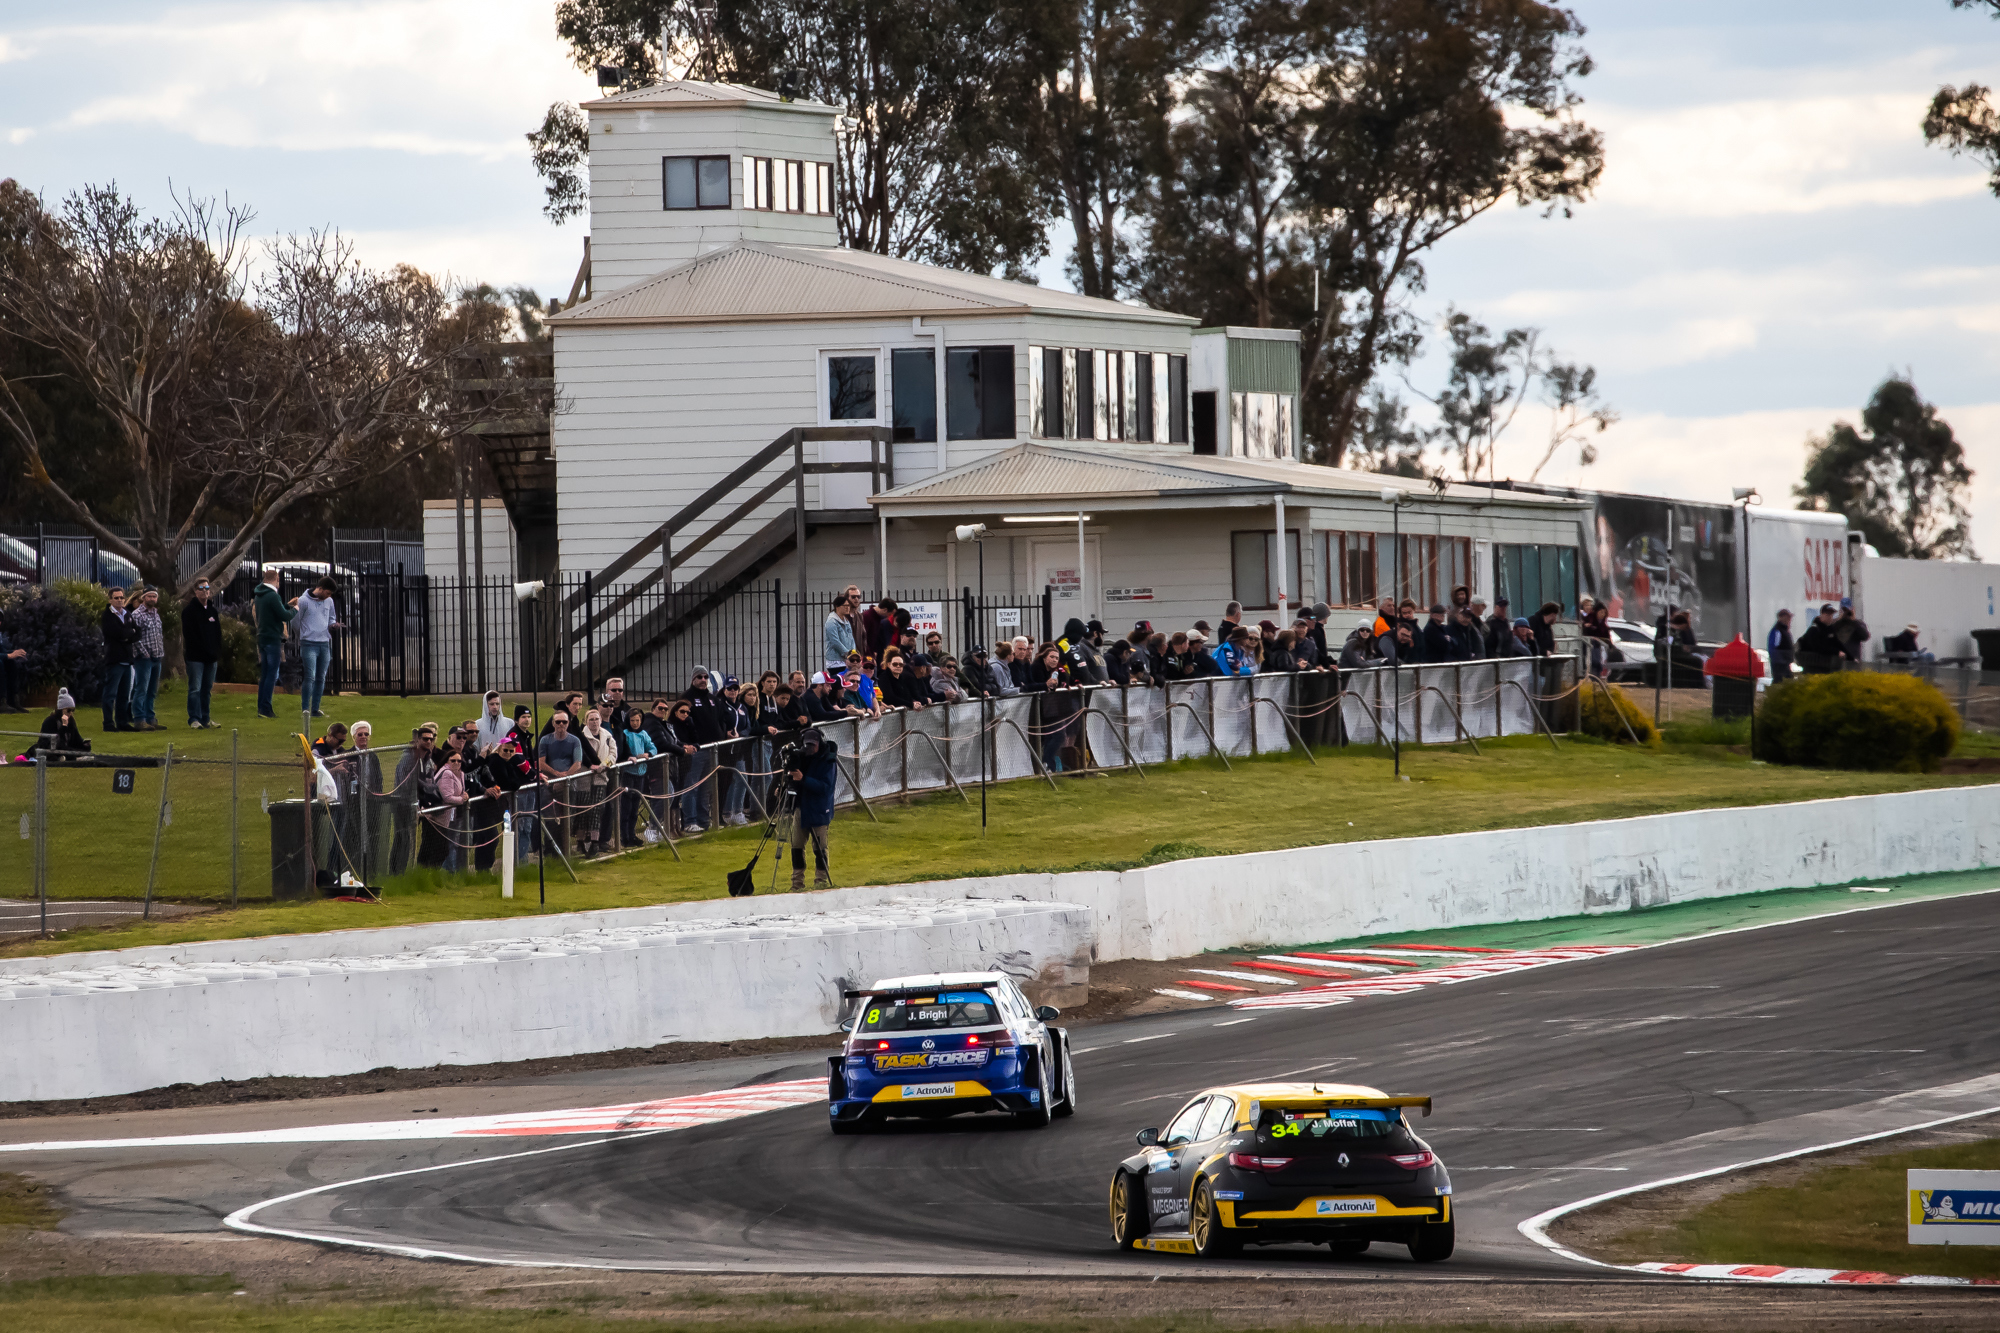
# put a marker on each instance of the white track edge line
(1536, 1228)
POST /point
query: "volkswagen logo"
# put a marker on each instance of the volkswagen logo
(1342, 1159)
(931, 1045)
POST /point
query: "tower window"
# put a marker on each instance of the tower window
(696, 182)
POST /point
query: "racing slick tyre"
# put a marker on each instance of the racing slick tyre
(1129, 1219)
(1205, 1229)
(1068, 1106)
(1038, 1115)
(1346, 1249)
(1432, 1242)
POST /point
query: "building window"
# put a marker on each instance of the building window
(1086, 394)
(1143, 395)
(850, 389)
(696, 182)
(1204, 422)
(913, 390)
(1253, 568)
(786, 185)
(1527, 576)
(1047, 365)
(1177, 403)
(979, 393)
(1350, 568)
(1260, 425)
(1426, 569)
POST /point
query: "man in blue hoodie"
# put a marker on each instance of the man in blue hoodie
(813, 775)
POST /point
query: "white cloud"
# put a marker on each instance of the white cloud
(1776, 156)
(418, 76)
(500, 255)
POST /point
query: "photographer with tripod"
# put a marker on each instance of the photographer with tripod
(811, 776)
(802, 811)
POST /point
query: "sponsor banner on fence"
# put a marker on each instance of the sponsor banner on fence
(1954, 1207)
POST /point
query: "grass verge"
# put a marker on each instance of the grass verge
(1175, 811)
(1851, 1215)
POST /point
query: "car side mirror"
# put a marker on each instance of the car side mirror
(849, 1025)
(1148, 1137)
(1047, 1014)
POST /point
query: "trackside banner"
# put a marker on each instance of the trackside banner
(1954, 1207)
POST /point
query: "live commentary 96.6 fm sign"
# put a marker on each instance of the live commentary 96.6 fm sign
(1954, 1207)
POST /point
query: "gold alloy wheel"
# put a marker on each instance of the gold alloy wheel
(1201, 1220)
(1121, 1207)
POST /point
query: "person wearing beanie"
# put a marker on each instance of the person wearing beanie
(59, 729)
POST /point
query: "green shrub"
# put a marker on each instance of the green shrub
(238, 664)
(1609, 713)
(1857, 720)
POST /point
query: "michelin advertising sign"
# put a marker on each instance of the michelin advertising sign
(1955, 1207)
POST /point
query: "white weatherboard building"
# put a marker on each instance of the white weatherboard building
(1138, 466)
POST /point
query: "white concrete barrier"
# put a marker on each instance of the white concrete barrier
(123, 1027)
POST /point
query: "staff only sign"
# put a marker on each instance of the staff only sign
(1955, 1207)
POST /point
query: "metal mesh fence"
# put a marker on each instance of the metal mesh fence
(217, 823)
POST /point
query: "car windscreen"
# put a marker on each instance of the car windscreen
(929, 1013)
(1305, 1129)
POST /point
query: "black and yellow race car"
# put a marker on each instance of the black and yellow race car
(1283, 1163)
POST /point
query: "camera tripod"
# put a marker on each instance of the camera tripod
(777, 821)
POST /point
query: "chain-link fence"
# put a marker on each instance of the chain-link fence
(215, 825)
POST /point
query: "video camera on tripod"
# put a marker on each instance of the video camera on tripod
(793, 756)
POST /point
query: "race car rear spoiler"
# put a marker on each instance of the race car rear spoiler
(1352, 1103)
(900, 992)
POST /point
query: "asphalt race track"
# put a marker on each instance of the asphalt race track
(1551, 1085)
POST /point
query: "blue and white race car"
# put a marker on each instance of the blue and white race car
(947, 1043)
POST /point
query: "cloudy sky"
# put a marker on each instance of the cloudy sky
(1771, 239)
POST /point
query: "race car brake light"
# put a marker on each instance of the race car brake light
(1250, 1162)
(881, 1045)
(1414, 1161)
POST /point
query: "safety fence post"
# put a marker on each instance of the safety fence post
(235, 778)
(159, 827)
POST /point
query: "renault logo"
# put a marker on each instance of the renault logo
(929, 1044)
(1343, 1159)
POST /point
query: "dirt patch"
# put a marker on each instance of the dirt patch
(1985, 763)
(291, 1280)
(1639, 1228)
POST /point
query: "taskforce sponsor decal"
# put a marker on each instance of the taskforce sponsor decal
(973, 1059)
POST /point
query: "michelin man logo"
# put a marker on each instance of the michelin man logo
(1941, 1211)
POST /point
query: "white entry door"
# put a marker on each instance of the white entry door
(1052, 564)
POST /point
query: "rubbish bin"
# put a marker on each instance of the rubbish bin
(1989, 648)
(291, 855)
(1731, 696)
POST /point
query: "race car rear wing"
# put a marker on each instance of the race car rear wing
(901, 992)
(1351, 1103)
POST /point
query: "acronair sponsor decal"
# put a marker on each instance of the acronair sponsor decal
(1229, 1194)
(917, 1091)
(1343, 1207)
(933, 1060)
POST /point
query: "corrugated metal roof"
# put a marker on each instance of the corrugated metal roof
(1080, 473)
(692, 93)
(761, 280)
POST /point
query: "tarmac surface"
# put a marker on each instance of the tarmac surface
(1551, 1086)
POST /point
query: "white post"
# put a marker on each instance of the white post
(1082, 571)
(506, 853)
(1278, 502)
